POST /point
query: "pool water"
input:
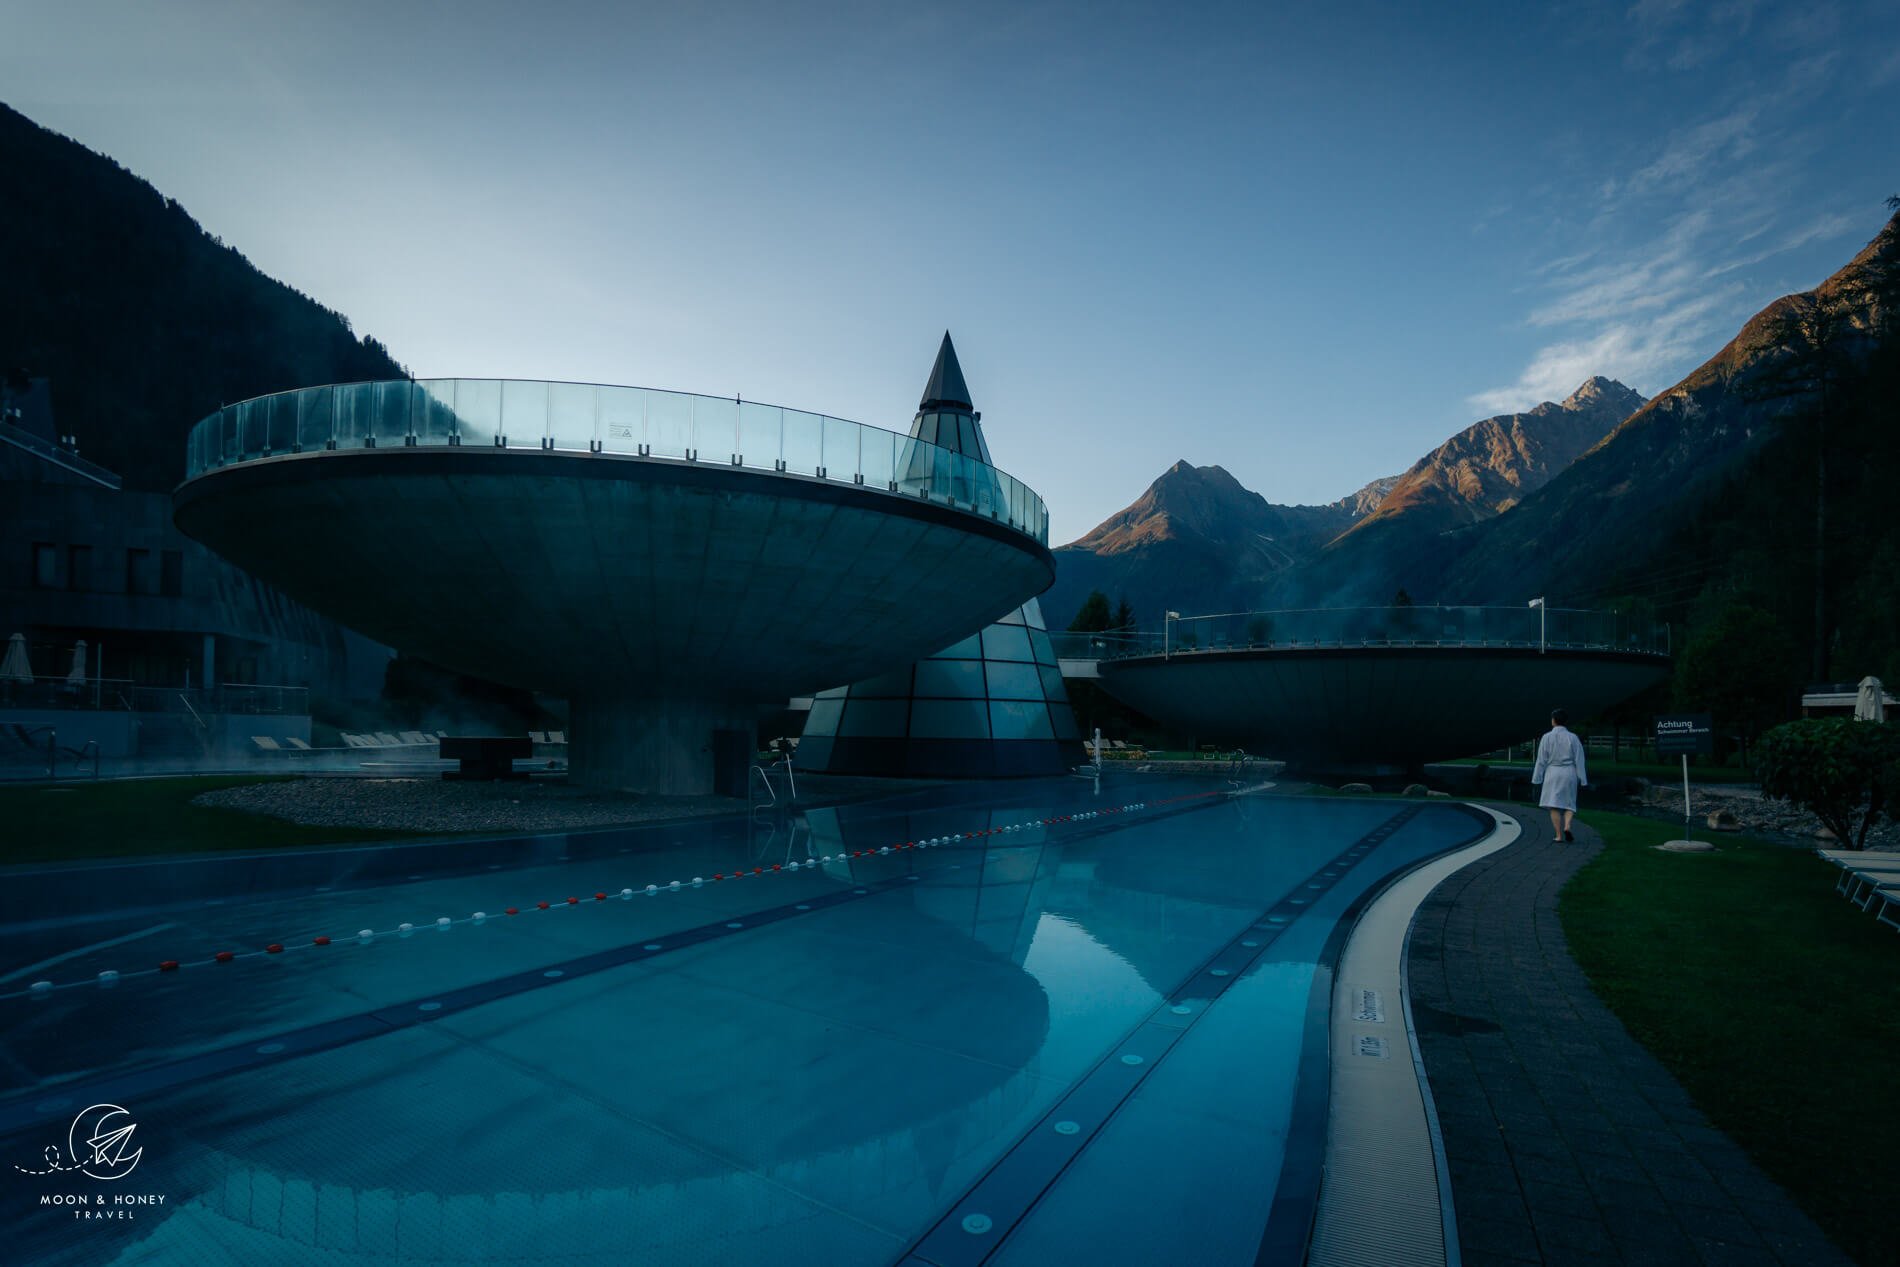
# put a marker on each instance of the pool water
(1056, 1021)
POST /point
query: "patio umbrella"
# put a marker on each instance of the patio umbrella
(77, 677)
(15, 667)
(1871, 702)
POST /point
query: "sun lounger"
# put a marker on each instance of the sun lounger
(537, 736)
(557, 736)
(414, 737)
(354, 741)
(388, 740)
(266, 743)
(1857, 879)
(297, 743)
(1886, 904)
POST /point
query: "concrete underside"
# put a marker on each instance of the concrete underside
(1375, 707)
(602, 578)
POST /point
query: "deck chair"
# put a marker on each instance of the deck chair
(354, 741)
(266, 743)
(1859, 883)
(537, 736)
(415, 737)
(1886, 903)
(297, 743)
(557, 736)
(387, 740)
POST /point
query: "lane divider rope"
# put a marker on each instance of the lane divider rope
(363, 937)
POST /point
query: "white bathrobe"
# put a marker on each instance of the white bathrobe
(1559, 769)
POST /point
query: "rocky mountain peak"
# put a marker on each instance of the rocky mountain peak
(1598, 391)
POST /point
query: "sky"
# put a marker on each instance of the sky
(1306, 246)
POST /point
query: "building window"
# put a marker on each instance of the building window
(138, 571)
(45, 566)
(78, 567)
(171, 573)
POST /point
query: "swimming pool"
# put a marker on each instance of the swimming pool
(1005, 1023)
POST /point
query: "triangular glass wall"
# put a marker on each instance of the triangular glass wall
(992, 705)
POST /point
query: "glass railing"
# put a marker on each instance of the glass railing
(593, 418)
(1556, 629)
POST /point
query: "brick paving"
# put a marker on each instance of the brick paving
(1567, 1141)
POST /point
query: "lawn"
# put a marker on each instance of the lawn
(124, 818)
(1654, 771)
(1772, 999)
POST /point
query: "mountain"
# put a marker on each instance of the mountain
(1197, 541)
(1475, 476)
(142, 322)
(1716, 490)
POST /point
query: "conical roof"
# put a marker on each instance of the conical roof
(946, 386)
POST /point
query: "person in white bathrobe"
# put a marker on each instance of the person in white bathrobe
(1560, 773)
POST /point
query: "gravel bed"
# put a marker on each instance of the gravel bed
(1776, 820)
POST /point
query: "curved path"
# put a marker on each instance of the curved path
(1567, 1141)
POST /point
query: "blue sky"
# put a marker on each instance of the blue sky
(1304, 245)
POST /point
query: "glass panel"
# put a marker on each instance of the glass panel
(1053, 686)
(1014, 681)
(804, 442)
(230, 445)
(392, 413)
(315, 417)
(1011, 618)
(571, 415)
(669, 423)
(253, 427)
(355, 414)
(824, 716)
(1064, 719)
(949, 719)
(1012, 719)
(841, 449)
(1044, 649)
(524, 413)
(623, 426)
(478, 410)
(877, 456)
(435, 411)
(1006, 642)
(283, 422)
(814, 751)
(884, 686)
(878, 717)
(716, 428)
(957, 679)
(968, 649)
(759, 430)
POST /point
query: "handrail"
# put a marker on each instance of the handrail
(514, 414)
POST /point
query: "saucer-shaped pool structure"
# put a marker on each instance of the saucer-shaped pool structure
(672, 564)
(1382, 690)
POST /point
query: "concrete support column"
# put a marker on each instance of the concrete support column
(661, 747)
(210, 662)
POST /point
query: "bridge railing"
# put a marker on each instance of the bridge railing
(1554, 629)
(599, 418)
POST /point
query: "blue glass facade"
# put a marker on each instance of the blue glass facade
(992, 704)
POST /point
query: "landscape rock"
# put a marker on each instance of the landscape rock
(1723, 820)
(1417, 789)
(1357, 788)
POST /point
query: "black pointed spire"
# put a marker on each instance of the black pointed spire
(946, 387)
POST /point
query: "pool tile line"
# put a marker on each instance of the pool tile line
(27, 1108)
(978, 1224)
(111, 977)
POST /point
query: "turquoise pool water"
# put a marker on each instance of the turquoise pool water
(1053, 1022)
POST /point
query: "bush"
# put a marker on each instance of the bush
(1842, 770)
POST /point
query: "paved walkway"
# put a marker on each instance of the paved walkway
(1568, 1142)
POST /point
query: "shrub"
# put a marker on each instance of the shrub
(1844, 771)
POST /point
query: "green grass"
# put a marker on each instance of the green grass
(132, 817)
(1771, 998)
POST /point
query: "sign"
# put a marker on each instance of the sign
(1681, 734)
